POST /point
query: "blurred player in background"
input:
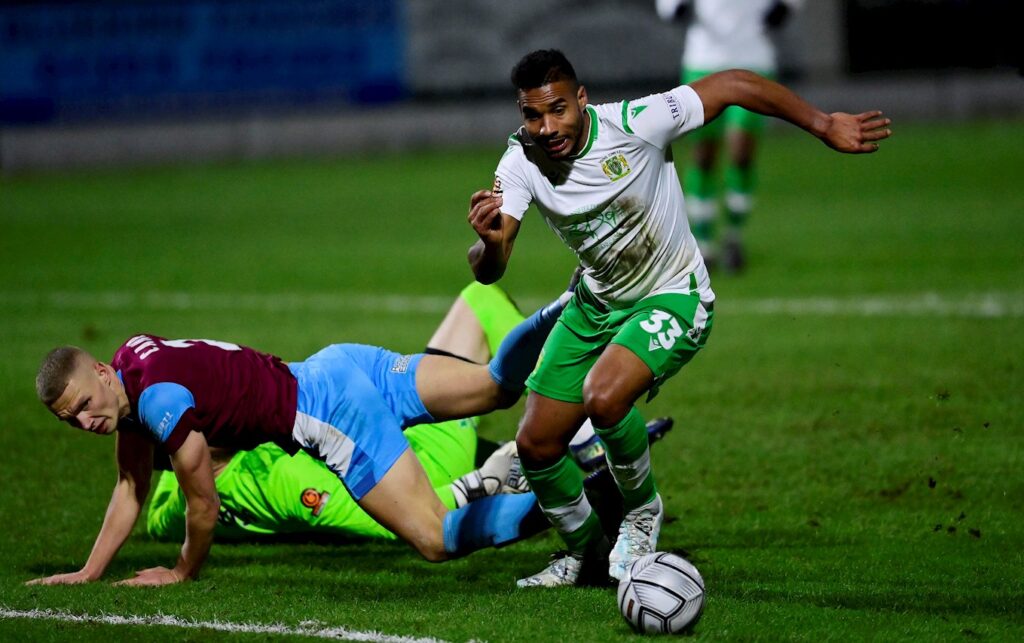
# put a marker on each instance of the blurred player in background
(721, 35)
(604, 181)
(346, 405)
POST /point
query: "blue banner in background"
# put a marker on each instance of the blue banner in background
(93, 60)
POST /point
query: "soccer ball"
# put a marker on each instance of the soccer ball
(661, 593)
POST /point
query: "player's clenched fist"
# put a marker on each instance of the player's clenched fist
(485, 215)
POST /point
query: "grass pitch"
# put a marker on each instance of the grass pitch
(840, 470)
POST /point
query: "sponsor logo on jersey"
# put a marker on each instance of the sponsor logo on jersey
(315, 500)
(615, 166)
(401, 364)
(164, 423)
(673, 106)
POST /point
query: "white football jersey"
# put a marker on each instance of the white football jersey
(618, 203)
(727, 34)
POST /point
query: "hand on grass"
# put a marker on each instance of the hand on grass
(73, 578)
(152, 577)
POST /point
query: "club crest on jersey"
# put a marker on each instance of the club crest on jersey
(315, 500)
(615, 166)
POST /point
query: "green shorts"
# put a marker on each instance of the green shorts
(733, 118)
(664, 331)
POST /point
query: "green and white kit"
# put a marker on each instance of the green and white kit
(618, 203)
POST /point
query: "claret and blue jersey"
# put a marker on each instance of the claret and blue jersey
(347, 405)
(236, 396)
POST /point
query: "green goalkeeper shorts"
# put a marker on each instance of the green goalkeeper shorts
(733, 118)
(664, 331)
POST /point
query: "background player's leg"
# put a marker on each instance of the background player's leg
(461, 334)
(496, 313)
(739, 195)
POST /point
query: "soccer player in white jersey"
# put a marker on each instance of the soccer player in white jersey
(603, 179)
(720, 35)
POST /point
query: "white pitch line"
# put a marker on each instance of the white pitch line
(924, 304)
(311, 629)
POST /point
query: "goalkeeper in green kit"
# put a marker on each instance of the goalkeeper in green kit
(266, 492)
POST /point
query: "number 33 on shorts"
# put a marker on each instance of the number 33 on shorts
(662, 338)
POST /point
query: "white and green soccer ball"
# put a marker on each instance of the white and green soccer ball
(661, 593)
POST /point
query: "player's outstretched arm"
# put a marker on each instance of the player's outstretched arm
(489, 256)
(848, 133)
(135, 465)
(194, 470)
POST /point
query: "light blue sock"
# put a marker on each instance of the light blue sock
(494, 521)
(518, 353)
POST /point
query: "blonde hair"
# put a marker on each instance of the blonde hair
(57, 368)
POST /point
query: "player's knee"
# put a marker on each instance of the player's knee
(536, 450)
(433, 553)
(604, 406)
(431, 547)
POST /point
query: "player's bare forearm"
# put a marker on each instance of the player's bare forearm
(135, 466)
(487, 262)
(194, 470)
(849, 133)
(200, 521)
(122, 512)
(488, 257)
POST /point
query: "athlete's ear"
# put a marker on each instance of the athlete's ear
(103, 371)
(581, 96)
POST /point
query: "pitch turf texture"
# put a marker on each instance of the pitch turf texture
(839, 470)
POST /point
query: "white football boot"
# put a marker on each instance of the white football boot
(564, 571)
(638, 536)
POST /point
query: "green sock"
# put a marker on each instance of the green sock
(559, 491)
(701, 204)
(629, 459)
(739, 190)
(494, 310)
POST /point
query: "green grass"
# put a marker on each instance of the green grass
(833, 477)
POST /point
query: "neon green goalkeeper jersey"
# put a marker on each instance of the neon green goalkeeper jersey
(267, 492)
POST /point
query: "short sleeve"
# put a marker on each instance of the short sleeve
(509, 179)
(164, 412)
(660, 119)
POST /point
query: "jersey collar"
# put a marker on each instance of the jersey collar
(591, 135)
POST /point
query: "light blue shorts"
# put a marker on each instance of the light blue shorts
(353, 403)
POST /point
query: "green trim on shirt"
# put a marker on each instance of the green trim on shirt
(592, 136)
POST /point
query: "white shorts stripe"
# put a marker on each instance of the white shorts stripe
(325, 442)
